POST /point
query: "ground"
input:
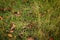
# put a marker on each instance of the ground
(29, 19)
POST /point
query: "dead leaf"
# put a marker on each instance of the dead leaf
(20, 35)
(17, 14)
(13, 26)
(11, 31)
(51, 38)
(1, 9)
(1, 18)
(10, 35)
(31, 25)
(7, 9)
(30, 38)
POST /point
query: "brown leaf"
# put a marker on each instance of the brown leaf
(11, 31)
(30, 38)
(1, 9)
(7, 8)
(13, 26)
(1, 18)
(10, 35)
(51, 38)
(31, 25)
(17, 13)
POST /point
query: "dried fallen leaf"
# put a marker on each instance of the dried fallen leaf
(17, 14)
(1, 9)
(30, 38)
(20, 35)
(10, 35)
(13, 26)
(7, 9)
(1, 18)
(51, 38)
(11, 31)
(31, 25)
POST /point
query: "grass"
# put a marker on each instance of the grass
(21, 19)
